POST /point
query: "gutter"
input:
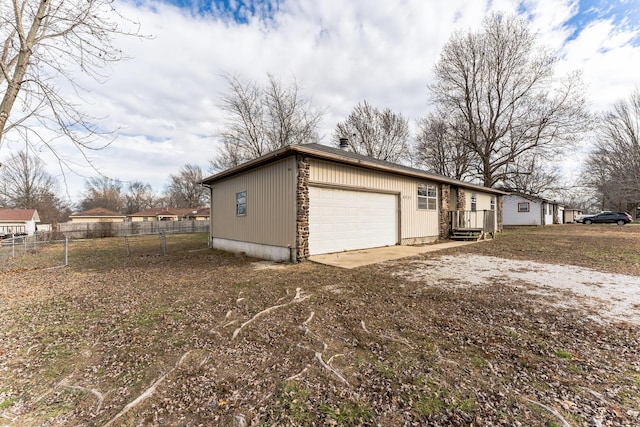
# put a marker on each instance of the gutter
(344, 159)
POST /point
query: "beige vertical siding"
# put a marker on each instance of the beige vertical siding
(483, 200)
(483, 203)
(271, 205)
(414, 223)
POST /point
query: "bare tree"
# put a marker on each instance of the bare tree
(138, 197)
(439, 150)
(184, 189)
(103, 192)
(532, 176)
(498, 89)
(381, 134)
(261, 119)
(613, 167)
(41, 41)
(25, 184)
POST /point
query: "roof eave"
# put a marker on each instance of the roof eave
(267, 158)
(393, 170)
(302, 149)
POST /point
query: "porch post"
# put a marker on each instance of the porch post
(499, 212)
(461, 204)
(461, 201)
(445, 218)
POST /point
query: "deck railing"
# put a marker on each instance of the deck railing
(479, 220)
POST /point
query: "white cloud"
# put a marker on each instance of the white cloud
(165, 99)
(608, 60)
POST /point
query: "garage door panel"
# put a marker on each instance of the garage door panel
(345, 220)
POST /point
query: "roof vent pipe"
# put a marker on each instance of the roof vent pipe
(344, 143)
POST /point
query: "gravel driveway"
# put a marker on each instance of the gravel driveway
(605, 296)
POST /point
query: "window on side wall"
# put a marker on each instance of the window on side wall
(523, 207)
(493, 203)
(474, 202)
(241, 203)
(427, 197)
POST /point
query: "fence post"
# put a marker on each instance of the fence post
(163, 242)
(66, 251)
(126, 244)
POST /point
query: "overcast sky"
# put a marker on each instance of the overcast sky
(165, 99)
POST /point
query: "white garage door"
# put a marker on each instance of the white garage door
(341, 220)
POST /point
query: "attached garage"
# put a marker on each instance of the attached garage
(310, 199)
(342, 220)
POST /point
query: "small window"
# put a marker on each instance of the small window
(523, 207)
(493, 203)
(427, 196)
(241, 203)
(474, 202)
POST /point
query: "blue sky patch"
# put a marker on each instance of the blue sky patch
(238, 11)
(620, 12)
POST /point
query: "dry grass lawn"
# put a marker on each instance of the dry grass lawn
(202, 337)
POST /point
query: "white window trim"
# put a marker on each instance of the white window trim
(427, 199)
(241, 204)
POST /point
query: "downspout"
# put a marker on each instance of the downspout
(209, 239)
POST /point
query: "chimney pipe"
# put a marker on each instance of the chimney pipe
(344, 143)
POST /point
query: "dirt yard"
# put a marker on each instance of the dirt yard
(540, 327)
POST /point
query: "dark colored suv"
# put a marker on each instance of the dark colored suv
(620, 218)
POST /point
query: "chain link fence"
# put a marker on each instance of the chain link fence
(34, 251)
(42, 251)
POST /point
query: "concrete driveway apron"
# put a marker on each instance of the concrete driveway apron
(362, 257)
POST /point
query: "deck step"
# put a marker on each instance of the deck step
(466, 234)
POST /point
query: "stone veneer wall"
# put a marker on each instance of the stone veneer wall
(460, 201)
(302, 215)
(445, 225)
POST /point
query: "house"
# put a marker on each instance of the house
(303, 200)
(202, 214)
(571, 215)
(170, 214)
(524, 209)
(97, 215)
(19, 221)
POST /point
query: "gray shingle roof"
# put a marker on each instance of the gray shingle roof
(342, 156)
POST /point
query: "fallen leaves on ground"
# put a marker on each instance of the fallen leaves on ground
(150, 341)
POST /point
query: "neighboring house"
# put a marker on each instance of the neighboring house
(97, 215)
(524, 209)
(19, 221)
(170, 214)
(571, 215)
(202, 214)
(303, 200)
